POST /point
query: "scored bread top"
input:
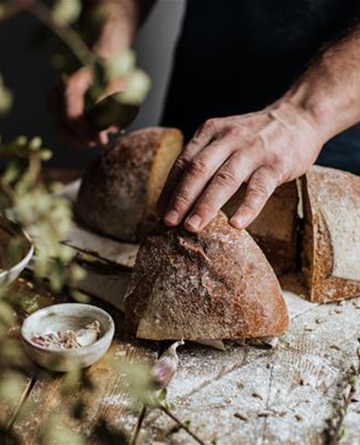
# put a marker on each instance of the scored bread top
(214, 285)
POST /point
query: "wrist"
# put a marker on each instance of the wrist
(316, 107)
(297, 120)
(117, 31)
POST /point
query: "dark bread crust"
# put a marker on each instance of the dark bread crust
(325, 190)
(215, 285)
(113, 197)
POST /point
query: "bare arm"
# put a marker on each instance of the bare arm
(329, 91)
(266, 148)
(122, 20)
(124, 17)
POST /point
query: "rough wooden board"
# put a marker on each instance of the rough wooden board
(352, 422)
(108, 400)
(211, 386)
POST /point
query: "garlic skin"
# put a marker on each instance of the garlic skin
(88, 335)
(69, 339)
(166, 366)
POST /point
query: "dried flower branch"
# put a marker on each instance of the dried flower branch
(161, 374)
(13, 8)
(336, 431)
(40, 210)
(181, 424)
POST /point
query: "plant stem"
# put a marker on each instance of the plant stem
(136, 432)
(64, 32)
(333, 433)
(180, 423)
(13, 8)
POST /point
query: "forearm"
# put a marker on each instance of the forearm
(328, 93)
(122, 19)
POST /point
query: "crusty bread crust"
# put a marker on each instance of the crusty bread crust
(114, 195)
(331, 239)
(215, 285)
(275, 229)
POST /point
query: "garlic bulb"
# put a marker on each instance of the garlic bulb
(166, 366)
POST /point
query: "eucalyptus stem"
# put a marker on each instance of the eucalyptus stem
(180, 423)
(139, 423)
(34, 171)
(335, 431)
(13, 8)
(64, 32)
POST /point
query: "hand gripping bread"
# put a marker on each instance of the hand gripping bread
(119, 191)
(214, 285)
(331, 238)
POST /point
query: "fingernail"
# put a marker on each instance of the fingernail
(193, 222)
(171, 218)
(240, 222)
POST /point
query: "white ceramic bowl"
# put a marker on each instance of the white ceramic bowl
(8, 231)
(62, 317)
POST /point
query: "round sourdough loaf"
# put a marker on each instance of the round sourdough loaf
(119, 191)
(215, 285)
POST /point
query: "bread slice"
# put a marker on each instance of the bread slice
(276, 228)
(215, 285)
(119, 191)
(331, 236)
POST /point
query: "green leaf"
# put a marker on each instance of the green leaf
(35, 143)
(137, 87)
(120, 65)
(162, 395)
(67, 11)
(11, 388)
(139, 381)
(12, 172)
(6, 98)
(7, 314)
(80, 297)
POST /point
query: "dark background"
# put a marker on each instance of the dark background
(29, 75)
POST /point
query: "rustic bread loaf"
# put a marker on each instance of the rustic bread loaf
(119, 191)
(214, 285)
(331, 236)
(276, 228)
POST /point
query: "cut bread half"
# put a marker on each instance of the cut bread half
(276, 228)
(331, 235)
(211, 286)
(119, 191)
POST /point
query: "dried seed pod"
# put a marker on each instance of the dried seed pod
(257, 395)
(242, 416)
(309, 328)
(165, 368)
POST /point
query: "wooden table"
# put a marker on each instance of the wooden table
(242, 396)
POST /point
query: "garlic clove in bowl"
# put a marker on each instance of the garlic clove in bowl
(65, 336)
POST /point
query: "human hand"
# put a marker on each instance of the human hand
(68, 105)
(263, 149)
